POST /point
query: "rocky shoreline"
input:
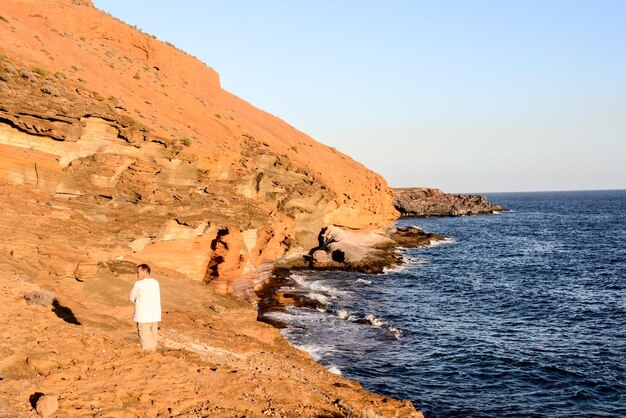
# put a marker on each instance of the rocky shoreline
(341, 251)
(425, 202)
(118, 149)
(370, 253)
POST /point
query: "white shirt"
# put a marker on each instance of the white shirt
(147, 298)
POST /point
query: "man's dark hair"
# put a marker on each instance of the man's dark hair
(144, 267)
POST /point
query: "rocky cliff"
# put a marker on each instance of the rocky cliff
(424, 202)
(140, 138)
(116, 148)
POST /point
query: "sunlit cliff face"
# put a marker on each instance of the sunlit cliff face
(138, 139)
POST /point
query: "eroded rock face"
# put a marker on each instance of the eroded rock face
(424, 202)
(139, 140)
(117, 149)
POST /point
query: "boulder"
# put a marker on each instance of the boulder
(47, 405)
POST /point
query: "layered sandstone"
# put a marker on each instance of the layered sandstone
(121, 126)
(424, 202)
(116, 148)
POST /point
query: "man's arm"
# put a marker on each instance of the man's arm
(133, 293)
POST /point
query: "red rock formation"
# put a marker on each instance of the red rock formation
(116, 148)
(140, 138)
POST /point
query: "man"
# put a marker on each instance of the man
(146, 295)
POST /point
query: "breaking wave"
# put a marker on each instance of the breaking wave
(316, 352)
(323, 299)
(334, 369)
(316, 286)
(376, 322)
(346, 315)
(395, 333)
(444, 241)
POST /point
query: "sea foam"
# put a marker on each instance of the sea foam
(376, 322)
(318, 297)
(395, 333)
(441, 242)
(334, 369)
(316, 352)
(343, 314)
(407, 263)
(314, 285)
(347, 316)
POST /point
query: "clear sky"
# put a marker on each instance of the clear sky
(466, 96)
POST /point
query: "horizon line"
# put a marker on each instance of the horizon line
(516, 191)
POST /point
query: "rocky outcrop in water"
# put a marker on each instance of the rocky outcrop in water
(424, 202)
(339, 249)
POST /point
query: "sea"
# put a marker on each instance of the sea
(521, 313)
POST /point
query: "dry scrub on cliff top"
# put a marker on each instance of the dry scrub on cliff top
(39, 297)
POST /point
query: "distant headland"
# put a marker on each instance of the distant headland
(419, 202)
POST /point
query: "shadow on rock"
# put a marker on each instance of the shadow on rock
(64, 313)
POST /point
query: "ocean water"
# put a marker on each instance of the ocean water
(521, 313)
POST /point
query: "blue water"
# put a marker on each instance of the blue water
(519, 314)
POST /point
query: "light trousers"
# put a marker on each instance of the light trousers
(148, 335)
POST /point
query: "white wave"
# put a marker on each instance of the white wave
(301, 280)
(412, 261)
(295, 316)
(316, 352)
(442, 242)
(347, 316)
(321, 309)
(343, 314)
(297, 276)
(281, 316)
(314, 285)
(318, 297)
(376, 322)
(396, 269)
(334, 369)
(396, 333)
(363, 281)
(406, 264)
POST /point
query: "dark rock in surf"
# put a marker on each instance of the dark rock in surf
(424, 202)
